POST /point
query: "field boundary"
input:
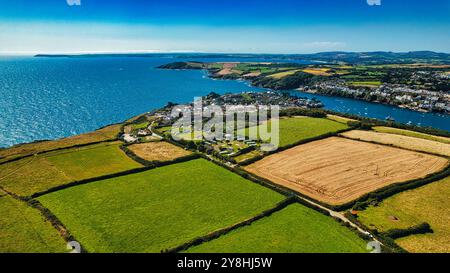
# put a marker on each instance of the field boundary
(379, 194)
(46, 213)
(218, 233)
(388, 191)
(59, 149)
(298, 143)
(386, 241)
(392, 145)
(148, 163)
(109, 176)
(304, 200)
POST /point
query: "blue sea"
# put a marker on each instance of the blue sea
(50, 98)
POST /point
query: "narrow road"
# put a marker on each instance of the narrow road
(150, 128)
(337, 215)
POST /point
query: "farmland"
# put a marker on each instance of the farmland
(318, 71)
(406, 86)
(338, 170)
(429, 204)
(339, 119)
(295, 129)
(24, 229)
(107, 133)
(401, 141)
(45, 171)
(158, 209)
(295, 229)
(158, 151)
(403, 132)
(281, 75)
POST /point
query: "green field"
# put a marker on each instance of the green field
(295, 129)
(429, 204)
(295, 229)
(106, 133)
(158, 209)
(24, 230)
(42, 172)
(366, 83)
(246, 156)
(403, 132)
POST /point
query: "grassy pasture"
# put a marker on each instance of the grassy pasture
(158, 209)
(403, 132)
(295, 129)
(295, 229)
(429, 204)
(107, 133)
(366, 83)
(42, 172)
(24, 230)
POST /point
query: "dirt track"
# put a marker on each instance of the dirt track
(338, 170)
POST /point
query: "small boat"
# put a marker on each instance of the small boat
(389, 118)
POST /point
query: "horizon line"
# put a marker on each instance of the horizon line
(131, 52)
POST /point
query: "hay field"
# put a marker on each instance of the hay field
(158, 151)
(390, 130)
(281, 75)
(107, 133)
(39, 173)
(401, 141)
(340, 119)
(430, 203)
(318, 71)
(338, 170)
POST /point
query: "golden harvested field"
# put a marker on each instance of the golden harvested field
(390, 130)
(284, 74)
(224, 72)
(338, 170)
(318, 71)
(252, 75)
(340, 119)
(158, 151)
(407, 142)
(107, 133)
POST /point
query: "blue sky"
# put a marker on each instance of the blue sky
(282, 26)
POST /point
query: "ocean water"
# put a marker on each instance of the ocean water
(49, 98)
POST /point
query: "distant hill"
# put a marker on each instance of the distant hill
(361, 58)
(378, 57)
